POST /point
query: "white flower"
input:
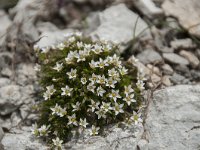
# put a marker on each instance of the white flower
(101, 113)
(102, 63)
(100, 91)
(45, 49)
(97, 49)
(35, 130)
(115, 60)
(79, 44)
(116, 77)
(81, 56)
(58, 66)
(114, 95)
(46, 95)
(107, 47)
(86, 52)
(140, 85)
(78, 34)
(83, 123)
(72, 74)
(83, 80)
(61, 46)
(115, 57)
(128, 90)
(94, 105)
(43, 130)
(117, 63)
(106, 106)
(93, 78)
(70, 57)
(111, 82)
(69, 34)
(91, 87)
(55, 109)
(136, 118)
(57, 142)
(71, 39)
(118, 108)
(72, 120)
(112, 72)
(50, 91)
(101, 79)
(129, 99)
(93, 64)
(88, 46)
(123, 71)
(36, 48)
(76, 106)
(66, 91)
(133, 60)
(37, 67)
(94, 130)
(58, 110)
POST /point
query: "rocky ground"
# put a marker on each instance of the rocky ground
(163, 34)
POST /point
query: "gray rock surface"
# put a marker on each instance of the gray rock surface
(183, 44)
(177, 78)
(4, 82)
(23, 32)
(50, 38)
(7, 3)
(149, 56)
(194, 61)
(118, 26)
(116, 139)
(187, 12)
(1, 134)
(167, 69)
(6, 59)
(148, 8)
(173, 119)
(175, 59)
(5, 23)
(22, 140)
(13, 96)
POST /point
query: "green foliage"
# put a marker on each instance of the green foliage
(85, 84)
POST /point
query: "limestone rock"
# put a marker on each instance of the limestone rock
(182, 44)
(177, 78)
(173, 119)
(1, 134)
(117, 138)
(148, 8)
(194, 61)
(187, 13)
(167, 69)
(118, 26)
(21, 140)
(23, 33)
(6, 59)
(7, 3)
(166, 80)
(4, 82)
(50, 38)
(13, 96)
(149, 56)
(10, 98)
(175, 59)
(4, 25)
